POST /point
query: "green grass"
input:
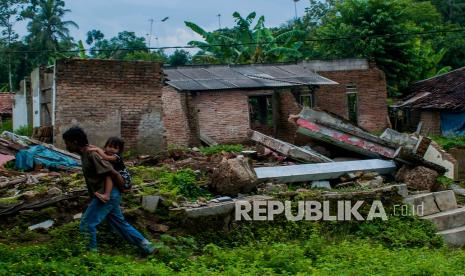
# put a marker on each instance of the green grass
(182, 183)
(448, 142)
(313, 255)
(255, 248)
(221, 148)
(6, 125)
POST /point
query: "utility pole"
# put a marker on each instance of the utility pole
(295, 8)
(219, 21)
(10, 76)
(150, 33)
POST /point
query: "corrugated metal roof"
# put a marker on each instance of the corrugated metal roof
(224, 77)
(445, 91)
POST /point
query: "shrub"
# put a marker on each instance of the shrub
(221, 148)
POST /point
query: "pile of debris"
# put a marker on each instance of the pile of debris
(34, 175)
(399, 157)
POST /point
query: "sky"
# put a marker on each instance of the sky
(113, 16)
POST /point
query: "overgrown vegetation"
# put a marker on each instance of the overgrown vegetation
(279, 247)
(448, 142)
(221, 148)
(185, 183)
(6, 125)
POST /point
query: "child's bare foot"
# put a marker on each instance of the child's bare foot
(103, 197)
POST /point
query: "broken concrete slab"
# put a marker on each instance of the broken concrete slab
(417, 145)
(150, 203)
(445, 200)
(43, 225)
(321, 184)
(436, 155)
(289, 150)
(448, 219)
(423, 204)
(322, 171)
(454, 236)
(401, 139)
(433, 203)
(458, 190)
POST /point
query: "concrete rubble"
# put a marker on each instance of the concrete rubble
(323, 171)
(233, 176)
(289, 150)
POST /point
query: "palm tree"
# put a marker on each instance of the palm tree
(48, 33)
(244, 44)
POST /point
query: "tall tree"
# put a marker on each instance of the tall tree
(180, 57)
(452, 10)
(374, 29)
(48, 32)
(8, 16)
(245, 43)
(124, 44)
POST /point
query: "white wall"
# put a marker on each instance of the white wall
(35, 86)
(19, 110)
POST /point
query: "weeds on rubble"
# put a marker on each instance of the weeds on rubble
(448, 142)
(6, 125)
(221, 148)
(24, 131)
(444, 181)
(9, 201)
(184, 183)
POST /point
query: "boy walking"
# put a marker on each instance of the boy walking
(96, 171)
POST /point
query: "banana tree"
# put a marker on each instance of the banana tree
(246, 44)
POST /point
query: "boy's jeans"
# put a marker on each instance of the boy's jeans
(97, 211)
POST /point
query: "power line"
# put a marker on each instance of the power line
(248, 43)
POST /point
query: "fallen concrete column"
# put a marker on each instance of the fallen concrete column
(344, 140)
(289, 150)
(322, 171)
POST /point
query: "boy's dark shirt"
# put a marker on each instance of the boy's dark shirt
(95, 169)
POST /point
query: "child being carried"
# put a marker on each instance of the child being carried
(112, 152)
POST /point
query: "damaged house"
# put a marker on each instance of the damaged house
(6, 107)
(152, 107)
(436, 105)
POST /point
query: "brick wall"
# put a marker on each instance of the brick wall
(223, 115)
(108, 97)
(431, 122)
(179, 118)
(372, 96)
(287, 105)
(6, 104)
